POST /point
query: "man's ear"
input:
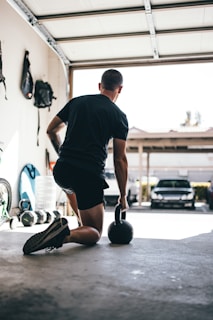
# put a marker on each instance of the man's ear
(99, 86)
(119, 89)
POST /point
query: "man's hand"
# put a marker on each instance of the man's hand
(123, 202)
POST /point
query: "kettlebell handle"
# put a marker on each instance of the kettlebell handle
(118, 214)
(24, 204)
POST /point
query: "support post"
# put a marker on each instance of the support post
(140, 151)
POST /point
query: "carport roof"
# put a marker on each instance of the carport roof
(98, 33)
(190, 140)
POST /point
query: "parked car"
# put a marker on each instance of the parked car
(173, 192)
(111, 194)
(210, 196)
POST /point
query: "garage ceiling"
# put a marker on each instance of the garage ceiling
(102, 33)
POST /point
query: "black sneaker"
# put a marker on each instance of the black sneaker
(50, 238)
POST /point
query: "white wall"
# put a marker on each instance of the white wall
(18, 116)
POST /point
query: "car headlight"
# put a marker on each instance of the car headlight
(156, 196)
(188, 196)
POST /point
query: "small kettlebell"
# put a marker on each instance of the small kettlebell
(41, 216)
(24, 204)
(120, 231)
(28, 218)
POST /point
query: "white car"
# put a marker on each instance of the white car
(173, 192)
(111, 194)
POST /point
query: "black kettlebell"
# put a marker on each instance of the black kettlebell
(50, 217)
(41, 216)
(120, 231)
(28, 218)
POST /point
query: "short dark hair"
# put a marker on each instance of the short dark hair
(111, 79)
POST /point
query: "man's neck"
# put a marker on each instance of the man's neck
(112, 95)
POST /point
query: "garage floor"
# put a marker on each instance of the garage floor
(165, 273)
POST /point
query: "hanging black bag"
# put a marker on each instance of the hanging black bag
(43, 99)
(26, 79)
(2, 78)
(43, 94)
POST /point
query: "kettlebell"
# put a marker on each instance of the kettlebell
(120, 231)
(41, 216)
(28, 218)
(50, 217)
(24, 204)
(57, 214)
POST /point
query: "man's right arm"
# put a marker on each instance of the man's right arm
(121, 169)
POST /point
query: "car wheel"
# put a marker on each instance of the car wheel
(154, 205)
(193, 206)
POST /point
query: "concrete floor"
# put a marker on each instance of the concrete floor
(165, 273)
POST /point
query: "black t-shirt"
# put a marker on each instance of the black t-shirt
(92, 120)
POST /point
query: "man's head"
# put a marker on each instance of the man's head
(111, 80)
(111, 84)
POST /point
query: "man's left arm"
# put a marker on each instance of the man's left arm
(53, 129)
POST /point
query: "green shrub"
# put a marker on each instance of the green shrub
(200, 190)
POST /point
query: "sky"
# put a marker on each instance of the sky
(157, 98)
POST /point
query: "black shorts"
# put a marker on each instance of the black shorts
(87, 187)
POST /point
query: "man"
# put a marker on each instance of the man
(92, 120)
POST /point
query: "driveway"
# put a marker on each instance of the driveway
(173, 224)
